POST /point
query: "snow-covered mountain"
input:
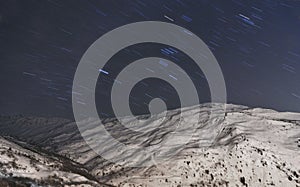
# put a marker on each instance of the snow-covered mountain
(248, 147)
(24, 164)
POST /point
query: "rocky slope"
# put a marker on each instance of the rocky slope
(24, 165)
(253, 147)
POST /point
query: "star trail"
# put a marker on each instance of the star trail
(41, 42)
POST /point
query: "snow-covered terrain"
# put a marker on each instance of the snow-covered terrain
(21, 163)
(248, 147)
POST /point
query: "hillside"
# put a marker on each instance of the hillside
(252, 147)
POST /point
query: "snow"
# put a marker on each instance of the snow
(253, 146)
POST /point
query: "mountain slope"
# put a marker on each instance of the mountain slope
(24, 164)
(252, 147)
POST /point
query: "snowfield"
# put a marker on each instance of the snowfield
(246, 147)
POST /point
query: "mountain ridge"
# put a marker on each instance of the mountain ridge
(258, 146)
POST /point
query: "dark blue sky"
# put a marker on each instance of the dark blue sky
(257, 44)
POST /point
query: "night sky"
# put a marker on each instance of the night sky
(257, 45)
